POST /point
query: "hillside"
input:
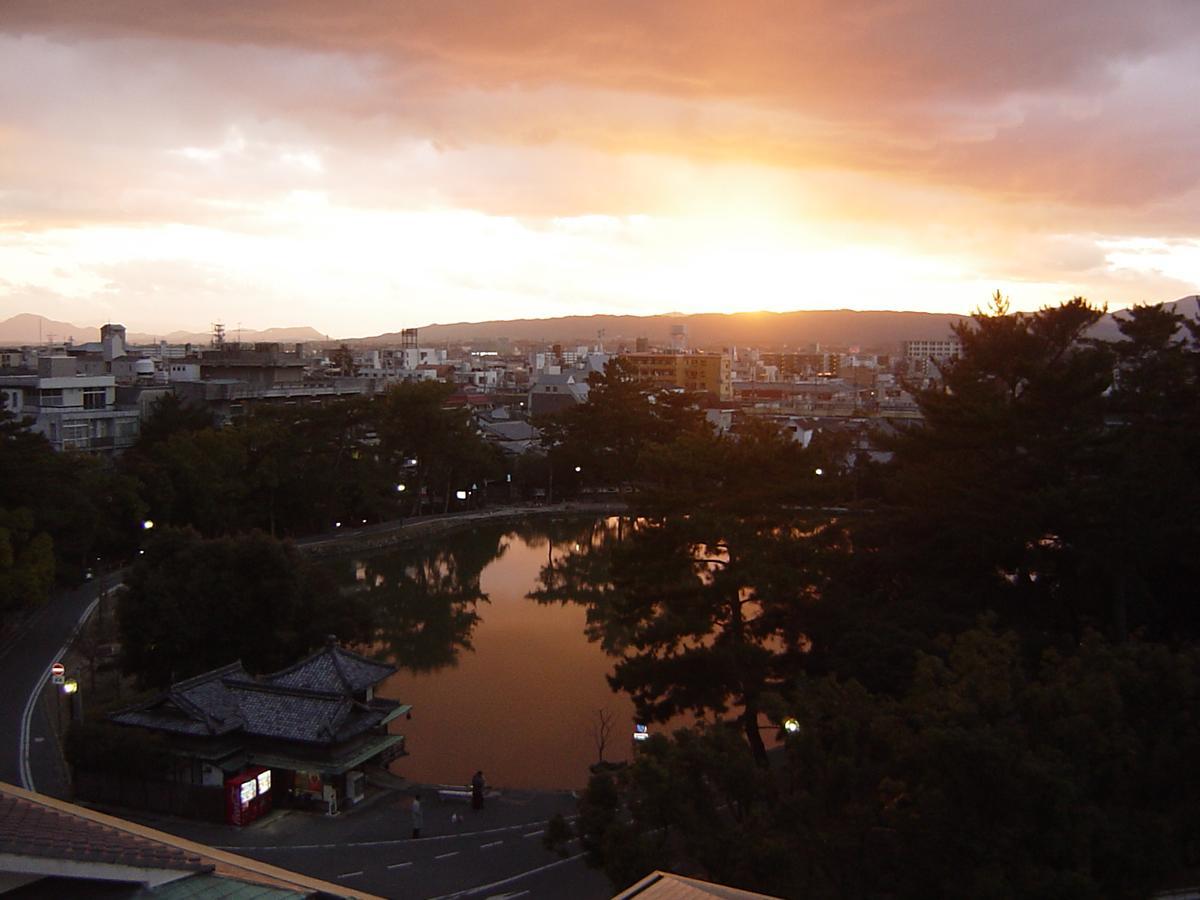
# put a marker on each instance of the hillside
(27, 328)
(796, 329)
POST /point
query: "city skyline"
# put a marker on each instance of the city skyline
(379, 167)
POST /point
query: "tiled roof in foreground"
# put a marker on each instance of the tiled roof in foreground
(29, 828)
(46, 837)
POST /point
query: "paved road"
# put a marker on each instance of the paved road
(25, 662)
(490, 854)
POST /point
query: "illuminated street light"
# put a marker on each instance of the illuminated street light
(401, 488)
(461, 495)
(70, 686)
(578, 468)
(791, 725)
(819, 471)
(148, 524)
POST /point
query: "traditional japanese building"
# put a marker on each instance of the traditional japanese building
(312, 727)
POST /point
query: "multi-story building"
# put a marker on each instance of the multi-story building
(938, 350)
(73, 411)
(702, 372)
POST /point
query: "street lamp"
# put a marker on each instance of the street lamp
(819, 471)
(401, 488)
(148, 524)
(791, 725)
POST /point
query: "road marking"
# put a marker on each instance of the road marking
(508, 896)
(399, 865)
(249, 848)
(23, 742)
(447, 855)
(492, 844)
(532, 834)
(350, 874)
(502, 882)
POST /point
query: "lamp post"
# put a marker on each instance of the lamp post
(70, 687)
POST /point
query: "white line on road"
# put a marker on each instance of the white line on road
(492, 844)
(446, 855)
(251, 848)
(495, 884)
(350, 874)
(399, 865)
(26, 771)
(532, 834)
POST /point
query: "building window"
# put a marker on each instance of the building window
(50, 397)
(95, 398)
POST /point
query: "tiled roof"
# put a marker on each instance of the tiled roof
(332, 669)
(313, 701)
(40, 835)
(212, 887)
(32, 829)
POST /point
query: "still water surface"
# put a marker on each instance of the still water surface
(497, 681)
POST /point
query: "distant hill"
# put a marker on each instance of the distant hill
(245, 335)
(27, 328)
(879, 329)
(795, 329)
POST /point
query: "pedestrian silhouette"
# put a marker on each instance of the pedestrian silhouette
(418, 816)
(477, 790)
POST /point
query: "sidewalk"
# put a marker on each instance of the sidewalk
(383, 817)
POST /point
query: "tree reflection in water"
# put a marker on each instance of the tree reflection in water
(705, 615)
(426, 596)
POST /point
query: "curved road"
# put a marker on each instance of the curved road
(29, 756)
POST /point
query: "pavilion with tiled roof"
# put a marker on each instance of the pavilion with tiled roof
(314, 723)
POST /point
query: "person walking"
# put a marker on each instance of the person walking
(418, 816)
(477, 790)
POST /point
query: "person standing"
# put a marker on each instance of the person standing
(418, 816)
(477, 790)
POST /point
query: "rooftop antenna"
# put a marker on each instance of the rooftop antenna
(239, 332)
(218, 335)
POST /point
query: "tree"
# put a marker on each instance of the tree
(26, 563)
(984, 496)
(990, 776)
(195, 604)
(702, 600)
(610, 436)
(429, 447)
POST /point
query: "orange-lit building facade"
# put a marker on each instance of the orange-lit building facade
(707, 372)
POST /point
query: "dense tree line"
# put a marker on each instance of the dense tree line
(298, 470)
(1049, 489)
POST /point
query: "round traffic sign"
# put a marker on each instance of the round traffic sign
(58, 669)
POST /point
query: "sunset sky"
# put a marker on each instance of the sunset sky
(362, 167)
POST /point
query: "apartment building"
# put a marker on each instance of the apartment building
(702, 372)
(74, 411)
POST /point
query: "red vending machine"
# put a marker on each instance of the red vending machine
(240, 792)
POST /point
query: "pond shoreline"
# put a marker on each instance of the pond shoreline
(415, 528)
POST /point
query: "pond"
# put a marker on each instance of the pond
(497, 681)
